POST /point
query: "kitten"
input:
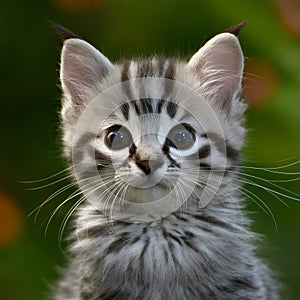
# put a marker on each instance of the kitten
(154, 145)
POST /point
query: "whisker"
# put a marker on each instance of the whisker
(52, 196)
(205, 184)
(120, 188)
(273, 169)
(50, 184)
(270, 191)
(46, 178)
(181, 194)
(265, 180)
(67, 217)
(83, 191)
(263, 206)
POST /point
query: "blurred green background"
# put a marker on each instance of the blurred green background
(29, 122)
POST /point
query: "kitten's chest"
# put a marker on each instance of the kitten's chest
(180, 244)
(186, 252)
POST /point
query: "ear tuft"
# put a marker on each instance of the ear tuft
(236, 28)
(64, 33)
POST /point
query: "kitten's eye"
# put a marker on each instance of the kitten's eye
(182, 136)
(118, 137)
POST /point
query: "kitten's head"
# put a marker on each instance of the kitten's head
(149, 134)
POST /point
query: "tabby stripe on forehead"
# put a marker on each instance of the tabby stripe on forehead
(170, 106)
(125, 110)
(170, 70)
(160, 105)
(169, 74)
(136, 107)
(124, 73)
(171, 109)
(147, 105)
(161, 65)
(145, 69)
(126, 88)
(169, 85)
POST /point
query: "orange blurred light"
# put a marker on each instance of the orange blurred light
(289, 13)
(78, 4)
(10, 219)
(260, 81)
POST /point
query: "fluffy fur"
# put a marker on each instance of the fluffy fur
(197, 250)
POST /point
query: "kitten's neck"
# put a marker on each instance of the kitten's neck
(222, 213)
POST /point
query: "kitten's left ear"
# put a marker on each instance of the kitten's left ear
(219, 64)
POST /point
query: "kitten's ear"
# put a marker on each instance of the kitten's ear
(219, 64)
(82, 67)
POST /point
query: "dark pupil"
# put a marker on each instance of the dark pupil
(118, 138)
(181, 137)
(112, 135)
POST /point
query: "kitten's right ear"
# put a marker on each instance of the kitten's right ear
(82, 67)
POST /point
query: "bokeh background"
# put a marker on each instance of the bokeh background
(29, 123)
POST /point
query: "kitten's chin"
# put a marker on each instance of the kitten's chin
(147, 195)
(146, 205)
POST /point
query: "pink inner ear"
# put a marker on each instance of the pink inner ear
(219, 64)
(82, 66)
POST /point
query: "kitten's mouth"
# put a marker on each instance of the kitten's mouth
(147, 194)
(147, 189)
(144, 182)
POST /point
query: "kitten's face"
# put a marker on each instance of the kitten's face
(152, 131)
(149, 150)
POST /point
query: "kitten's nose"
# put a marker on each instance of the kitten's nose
(144, 165)
(148, 166)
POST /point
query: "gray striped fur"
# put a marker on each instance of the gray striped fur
(192, 253)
